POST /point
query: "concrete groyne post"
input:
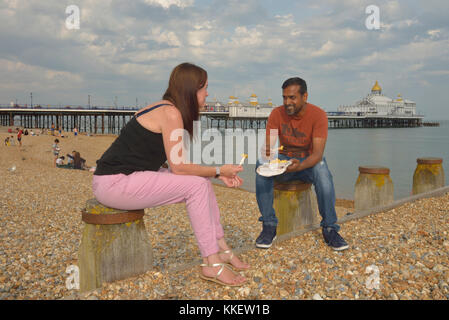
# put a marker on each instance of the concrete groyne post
(373, 188)
(295, 205)
(428, 175)
(114, 245)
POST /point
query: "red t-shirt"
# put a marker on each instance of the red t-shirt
(297, 132)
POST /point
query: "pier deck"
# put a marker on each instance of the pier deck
(98, 120)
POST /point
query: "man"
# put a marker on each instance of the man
(302, 131)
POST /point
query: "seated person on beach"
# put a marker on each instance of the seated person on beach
(60, 163)
(70, 157)
(12, 141)
(75, 161)
(133, 163)
(7, 141)
(301, 128)
(78, 162)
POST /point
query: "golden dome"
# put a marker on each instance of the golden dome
(253, 95)
(376, 87)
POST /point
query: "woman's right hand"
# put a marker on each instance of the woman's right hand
(230, 170)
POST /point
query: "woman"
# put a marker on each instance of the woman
(129, 174)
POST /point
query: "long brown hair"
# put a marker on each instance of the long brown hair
(77, 160)
(185, 81)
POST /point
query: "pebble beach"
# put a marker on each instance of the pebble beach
(40, 232)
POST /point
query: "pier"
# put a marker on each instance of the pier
(431, 124)
(85, 120)
(113, 120)
(336, 120)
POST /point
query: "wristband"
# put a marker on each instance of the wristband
(217, 172)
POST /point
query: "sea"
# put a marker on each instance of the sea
(347, 149)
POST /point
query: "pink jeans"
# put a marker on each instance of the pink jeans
(146, 189)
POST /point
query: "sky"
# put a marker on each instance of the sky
(125, 50)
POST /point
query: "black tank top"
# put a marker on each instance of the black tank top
(135, 149)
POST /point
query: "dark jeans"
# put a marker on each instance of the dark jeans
(319, 176)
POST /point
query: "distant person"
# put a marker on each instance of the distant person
(60, 161)
(70, 158)
(56, 150)
(302, 131)
(78, 162)
(52, 129)
(25, 132)
(19, 136)
(75, 131)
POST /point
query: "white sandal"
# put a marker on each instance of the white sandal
(229, 260)
(215, 279)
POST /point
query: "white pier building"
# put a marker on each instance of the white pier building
(376, 103)
(235, 109)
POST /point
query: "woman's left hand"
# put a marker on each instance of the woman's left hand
(232, 182)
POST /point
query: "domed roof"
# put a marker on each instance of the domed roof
(253, 96)
(376, 87)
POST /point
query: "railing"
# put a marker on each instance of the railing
(70, 107)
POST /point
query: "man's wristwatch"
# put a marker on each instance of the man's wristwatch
(217, 172)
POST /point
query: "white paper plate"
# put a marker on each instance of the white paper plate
(264, 170)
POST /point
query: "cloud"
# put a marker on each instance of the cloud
(167, 3)
(247, 47)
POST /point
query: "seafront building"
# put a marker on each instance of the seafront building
(235, 109)
(376, 103)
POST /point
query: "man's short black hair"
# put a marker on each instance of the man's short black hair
(296, 82)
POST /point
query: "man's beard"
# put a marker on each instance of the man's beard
(291, 110)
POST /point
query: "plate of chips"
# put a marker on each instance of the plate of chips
(273, 168)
